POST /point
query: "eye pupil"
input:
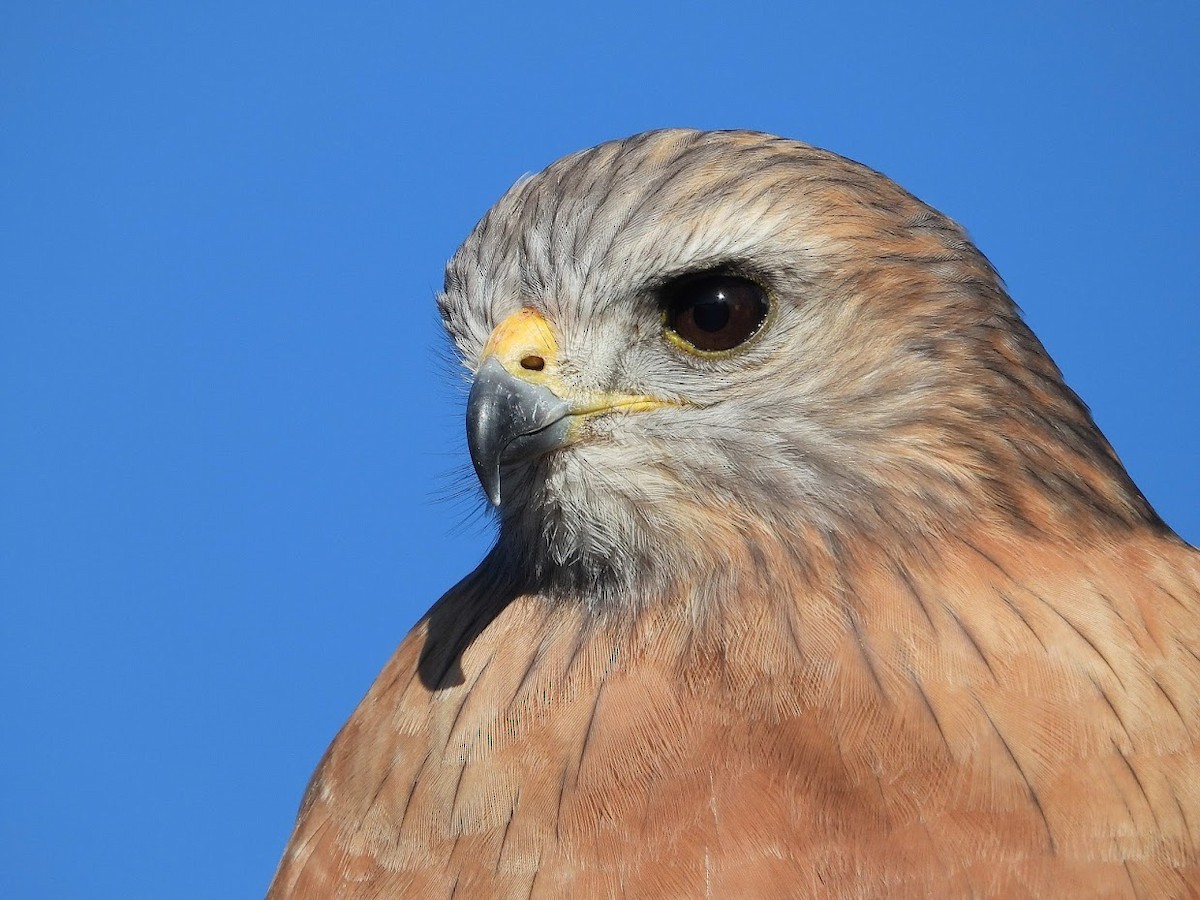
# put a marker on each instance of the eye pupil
(713, 312)
(712, 316)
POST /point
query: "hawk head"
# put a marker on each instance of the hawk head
(686, 344)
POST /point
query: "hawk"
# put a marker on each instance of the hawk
(812, 576)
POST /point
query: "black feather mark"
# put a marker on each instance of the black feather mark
(1112, 708)
(391, 768)
(1171, 700)
(791, 630)
(1141, 787)
(580, 642)
(761, 565)
(383, 782)
(846, 605)
(462, 773)
(1016, 611)
(906, 577)
(1067, 486)
(411, 793)
(587, 737)
(916, 682)
(1082, 636)
(1189, 650)
(884, 806)
(463, 703)
(864, 651)
(1033, 797)
(970, 545)
(973, 642)
(508, 827)
(534, 658)
(562, 794)
(1048, 605)
(1172, 595)
(1112, 604)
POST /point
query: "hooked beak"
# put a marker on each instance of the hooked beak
(510, 420)
(519, 409)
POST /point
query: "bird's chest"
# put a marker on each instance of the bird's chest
(646, 782)
(593, 773)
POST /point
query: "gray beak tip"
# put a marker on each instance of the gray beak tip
(510, 420)
(493, 489)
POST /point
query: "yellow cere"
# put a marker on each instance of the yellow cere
(524, 335)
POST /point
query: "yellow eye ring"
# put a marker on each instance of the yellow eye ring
(714, 313)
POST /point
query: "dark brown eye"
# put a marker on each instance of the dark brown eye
(712, 313)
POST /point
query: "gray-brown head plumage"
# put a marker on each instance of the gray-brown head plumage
(894, 374)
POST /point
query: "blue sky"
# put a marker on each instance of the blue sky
(232, 463)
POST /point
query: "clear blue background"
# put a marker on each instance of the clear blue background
(231, 451)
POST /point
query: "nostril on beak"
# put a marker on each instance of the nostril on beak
(533, 363)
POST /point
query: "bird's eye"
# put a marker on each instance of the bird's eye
(713, 313)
